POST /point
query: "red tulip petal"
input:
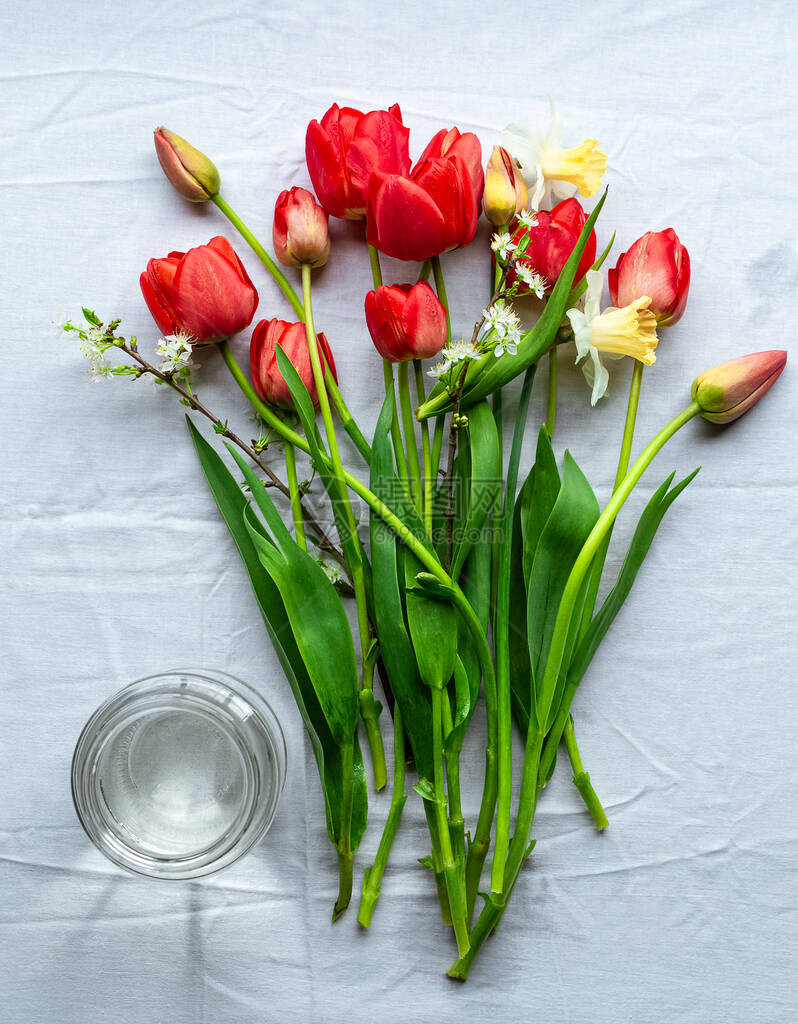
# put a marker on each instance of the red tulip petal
(212, 301)
(403, 220)
(424, 321)
(380, 143)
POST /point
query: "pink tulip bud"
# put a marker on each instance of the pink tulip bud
(301, 232)
(728, 390)
(193, 175)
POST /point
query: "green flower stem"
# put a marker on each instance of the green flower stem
(456, 821)
(551, 406)
(396, 434)
(440, 288)
(370, 710)
(480, 844)
(346, 417)
(358, 576)
(279, 277)
(532, 771)
(426, 452)
(437, 445)
(408, 421)
(437, 863)
(422, 553)
(288, 291)
(454, 886)
(387, 374)
(373, 875)
(296, 501)
(344, 847)
(502, 644)
(597, 568)
(581, 778)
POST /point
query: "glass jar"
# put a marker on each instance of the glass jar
(179, 774)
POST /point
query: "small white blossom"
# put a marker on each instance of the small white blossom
(331, 571)
(502, 244)
(60, 322)
(534, 281)
(527, 219)
(502, 320)
(510, 346)
(438, 369)
(454, 353)
(175, 350)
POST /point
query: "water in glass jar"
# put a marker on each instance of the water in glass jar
(174, 782)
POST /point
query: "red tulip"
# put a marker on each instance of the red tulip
(406, 321)
(657, 265)
(204, 292)
(300, 233)
(552, 240)
(433, 209)
(346, 147)
(266, 376)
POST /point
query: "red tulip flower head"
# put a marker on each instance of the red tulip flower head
(552, 239)
(658, 265)
(301, 232)
(435, 207)
(204, 293)
(406, 321)
(346, 147)
(293, 339)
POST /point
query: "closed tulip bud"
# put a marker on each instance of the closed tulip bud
(406, 321)
(301, 229)
(292, 338)
(505, 194)
(193, 175)
(728, 390)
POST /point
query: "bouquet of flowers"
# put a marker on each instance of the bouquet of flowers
(476, 583)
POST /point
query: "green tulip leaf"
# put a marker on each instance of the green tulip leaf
(317, 617)
(350, 543)
(396, 648)
(475, 584)
(571, 519)
(232, 503)
(479, 475)
(647, 526)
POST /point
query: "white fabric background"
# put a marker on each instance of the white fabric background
(116, 565)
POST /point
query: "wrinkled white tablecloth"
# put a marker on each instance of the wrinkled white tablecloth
(115, 563)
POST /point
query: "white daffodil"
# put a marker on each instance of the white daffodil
(631, 331)
(551, 172)
(502, 245)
